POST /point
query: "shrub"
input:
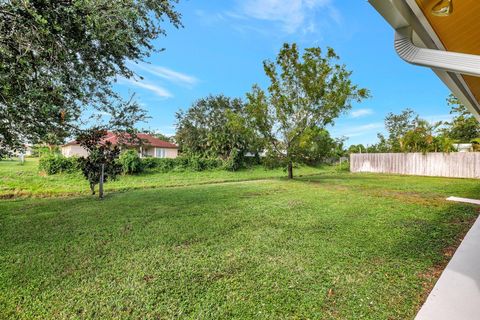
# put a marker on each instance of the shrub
(202, 164)
(131, 162)
(234, 161)
(272, 162)
(160, 164)
(54, 163)
(192, 163)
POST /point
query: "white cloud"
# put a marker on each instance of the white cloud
(361, 113)
(292, 15)
(168, 74)
(355, 131)
(209, 18)
(159, 91)
(436, 118)
(166, 130)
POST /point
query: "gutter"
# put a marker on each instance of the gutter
(417, 43)
(462, 63)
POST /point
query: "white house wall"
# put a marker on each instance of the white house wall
(74, 151)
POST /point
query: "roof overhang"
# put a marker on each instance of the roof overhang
(440, 43)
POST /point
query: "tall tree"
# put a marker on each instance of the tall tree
(464, 127)
(397, 125)
(58, 58)
(305, 92)
(213, 127)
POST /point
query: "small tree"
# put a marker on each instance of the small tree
(307, 92)
(102, 157)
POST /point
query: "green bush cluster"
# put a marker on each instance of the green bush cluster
(54, 163)
(182, 164)
(131, 162)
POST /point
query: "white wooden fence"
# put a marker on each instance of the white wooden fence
(454, 164)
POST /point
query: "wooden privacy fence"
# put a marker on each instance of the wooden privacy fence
(454, 164)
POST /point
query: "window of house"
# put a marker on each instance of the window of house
(160, 153)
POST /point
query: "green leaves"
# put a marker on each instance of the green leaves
(63, 56)
(463, 127)
(307, 90)
(99, 153)
(216, 126)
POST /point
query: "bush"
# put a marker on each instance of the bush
(191, 163)
(234, 162)
(160, 164)
(131, 162)
(54, 163)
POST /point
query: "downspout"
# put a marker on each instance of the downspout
(462, 63)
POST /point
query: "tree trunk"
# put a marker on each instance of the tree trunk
(290, 170)
(92, 188)
(102, 178)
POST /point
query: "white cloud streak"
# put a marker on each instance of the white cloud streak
(361, 130)
(169, 74)
(436, 118)
(159, 91)
(292, 15)
(361, 113)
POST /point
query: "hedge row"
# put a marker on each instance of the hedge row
(181, 164)
(54, 163)
(132, 164)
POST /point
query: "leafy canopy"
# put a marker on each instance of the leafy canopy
(306, 91)
(464, 127)
(60, 58)
(215, 126)
(407, 132)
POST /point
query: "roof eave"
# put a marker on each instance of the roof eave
(401, 14)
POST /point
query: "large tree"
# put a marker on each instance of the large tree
(58, 58)
(215, 126)
(306, 91)
(407, 132)
(397, 125)
(464, 127)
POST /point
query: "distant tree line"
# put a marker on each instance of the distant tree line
(408, 132)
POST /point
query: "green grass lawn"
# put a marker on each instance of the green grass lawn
(333, 245)
(25, 180)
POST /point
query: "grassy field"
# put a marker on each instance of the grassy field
(17, 180)
(333, 245)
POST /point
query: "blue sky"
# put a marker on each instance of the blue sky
(223, 43)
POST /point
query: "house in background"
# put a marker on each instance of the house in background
(151, 147)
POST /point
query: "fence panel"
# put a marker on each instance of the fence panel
(453, 164)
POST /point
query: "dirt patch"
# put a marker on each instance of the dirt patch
(7, 196)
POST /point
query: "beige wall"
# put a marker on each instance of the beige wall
(74, 151)
(169, 153)
(78, 151)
